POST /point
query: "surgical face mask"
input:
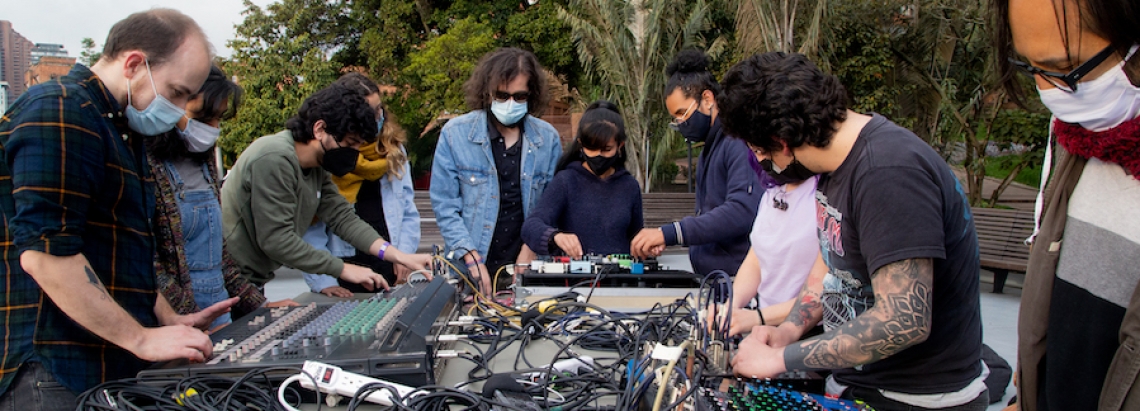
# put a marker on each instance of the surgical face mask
(339, 161)
(600, 164)
(158, 117)
(1098, 104)
(696, 128)
(199, 137)
(509, 112)
(794, 173)
(380, 122)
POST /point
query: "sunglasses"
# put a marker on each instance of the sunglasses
(519, 97)
(1065, 82)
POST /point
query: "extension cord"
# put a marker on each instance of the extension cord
(333, 380)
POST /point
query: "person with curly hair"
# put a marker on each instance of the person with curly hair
(492, 164)
(1079, 322)
(281, 182)
(381, 189)
(895, 285)
(727, 190)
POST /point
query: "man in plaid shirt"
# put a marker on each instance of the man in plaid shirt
(78, 288)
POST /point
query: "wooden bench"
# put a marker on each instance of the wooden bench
(1001, 241)
(659, 208)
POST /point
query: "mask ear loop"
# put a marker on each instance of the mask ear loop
(1039, 203)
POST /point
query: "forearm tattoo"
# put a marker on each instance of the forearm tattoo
(900, 318)
(808, 309)
(91, 278)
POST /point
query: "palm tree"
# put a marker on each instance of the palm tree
(772, 25)
(625, 45)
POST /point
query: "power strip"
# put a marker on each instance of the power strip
(333, 380)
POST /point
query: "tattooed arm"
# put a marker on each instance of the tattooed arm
(900, 319)
(75, 288)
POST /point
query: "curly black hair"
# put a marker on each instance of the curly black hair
(501, 66)
(600, 124)
(344, 111)
(775, 99)
(689, 71)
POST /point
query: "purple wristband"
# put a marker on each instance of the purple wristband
(383, 248)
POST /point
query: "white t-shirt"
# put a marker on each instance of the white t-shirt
(785, 241)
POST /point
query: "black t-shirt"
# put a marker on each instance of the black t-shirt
(506, 242)
(370, 208)
(893, 199)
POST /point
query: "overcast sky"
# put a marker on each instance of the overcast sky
(67, 22)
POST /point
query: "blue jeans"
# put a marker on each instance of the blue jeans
(34, 389)
(202, 243)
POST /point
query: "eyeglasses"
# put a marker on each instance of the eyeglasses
(519, 97)
(676, 123)
(1066, 82)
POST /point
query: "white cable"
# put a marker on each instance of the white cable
(281, 392)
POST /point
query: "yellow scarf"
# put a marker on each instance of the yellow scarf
(370, 166)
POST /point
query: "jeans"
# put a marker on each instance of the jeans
(34, 389)
(202, 240)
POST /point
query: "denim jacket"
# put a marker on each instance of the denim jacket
(400, 214)
(465, 183)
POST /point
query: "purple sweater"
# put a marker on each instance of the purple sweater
(604, 214)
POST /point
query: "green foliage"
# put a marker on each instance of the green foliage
(445, 62)
(539, 30)
(89, 55)
(278, 66)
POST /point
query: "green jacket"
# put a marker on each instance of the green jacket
(268, 201)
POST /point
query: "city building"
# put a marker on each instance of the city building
(47, 50)
(15, 59)
(48, 68)
(3, 96)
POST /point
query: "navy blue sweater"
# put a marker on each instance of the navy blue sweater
(728, 192)
(604, 214)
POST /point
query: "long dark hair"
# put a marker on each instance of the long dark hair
(1117, 21)
(216, 92)
(600, 124)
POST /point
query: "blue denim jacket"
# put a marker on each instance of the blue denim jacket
(465, 183)
(400, 214)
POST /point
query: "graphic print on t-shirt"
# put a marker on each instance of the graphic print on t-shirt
(844, 295)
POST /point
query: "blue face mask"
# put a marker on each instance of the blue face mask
(158, 117)
(509, 113)
(380, 122)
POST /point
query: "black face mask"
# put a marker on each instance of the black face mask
(599, 164)
(795, 173)
(696, 128)
(340, 161)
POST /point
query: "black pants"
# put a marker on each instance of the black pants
(34, 389)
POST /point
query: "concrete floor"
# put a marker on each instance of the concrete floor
(999, 311)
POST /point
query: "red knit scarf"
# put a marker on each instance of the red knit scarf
(1118, 145)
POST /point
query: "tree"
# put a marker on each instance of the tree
(278, 65)
(761, 26)
(625, 45)
(89, 56)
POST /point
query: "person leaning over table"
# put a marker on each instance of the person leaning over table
(193, 270)
(79, 296)
(282, 181)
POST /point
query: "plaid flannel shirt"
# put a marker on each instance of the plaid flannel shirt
(72, 182)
